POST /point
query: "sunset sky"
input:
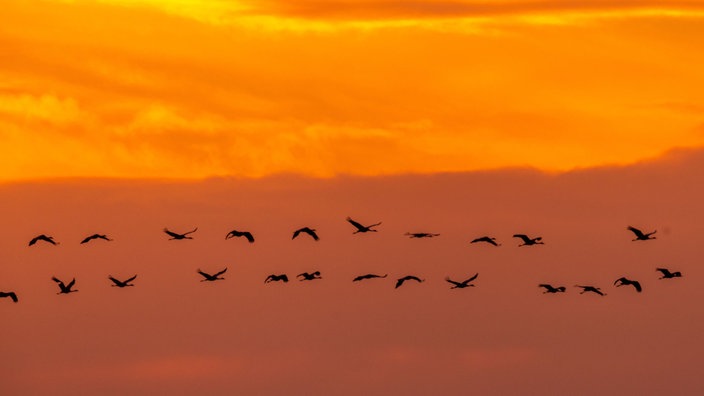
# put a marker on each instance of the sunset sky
(569, 120)
(192, 89)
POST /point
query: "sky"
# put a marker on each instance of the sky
(568, 120)
(193, 89)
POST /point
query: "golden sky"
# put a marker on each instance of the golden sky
(188, 88)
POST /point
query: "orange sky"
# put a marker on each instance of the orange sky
(191, 89)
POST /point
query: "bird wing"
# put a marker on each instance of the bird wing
(522, 236)
(415, 278)
(313, 234)
(354, 223)
(284, 278)
(546, 286)
(13, 296)
(374, 225)
(295, 234)
(597, 291)
(636, 284)
(458, 284)
(358, 278)
(191, 231)
(399, 282)
(221, 272)
(636, 231)
(33, 241)
(115, 281)
(87, 239)
(664, 271)
(70, 284)
(249, 236)
(57, 280)
(472, 278)
(622, 280)
(131, 279)
(204, 274)
(171, 233)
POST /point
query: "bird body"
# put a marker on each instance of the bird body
(489, 240)
(666, 274)
(175, 235)
(368, 276)
(463, 284)
(527, 241)
(44, 238)
(592, 289)
(95, 236)
(121, 284)
(306, 230)
(234, 233)
(211, 278)
(420, 235)
(65, 289)
(12, 295)
(362, 228)
(623, 281)
(306, 276)
(400, 281)
(276, 278)
(551, 289)
(640, 235)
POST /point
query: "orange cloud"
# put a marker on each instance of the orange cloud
(147, 92)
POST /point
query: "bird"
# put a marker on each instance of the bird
(44, 238)
(12, 295)
(420, 235)
(174, 235)
(368, 276)
(235, 233)
(623, 281)
(591, 289)
(640, 235)
(463, 284)
(309, 231)
(65, 289)
(306, 276)
(666, 274)
(121, 284)
(529, 241)
(361, 228)
(400, 281)
(276, 278)
(550, 289)
(486, 239)
(211, 278)
(95, 236)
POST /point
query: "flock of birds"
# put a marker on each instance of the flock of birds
(66, 288)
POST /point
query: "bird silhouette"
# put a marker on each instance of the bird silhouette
(489, 240)
(591, 289)
(640, 235)
(65, 289)
(420, 235)
(399, 282)
(361, 228)
(463, 284)
(368, 276)
(175, 235)
(12, 295)
(306, 276)
(529, 241)
(276, 278)
(44, 238)
(306, 230)
(211, 278)
(550, 289)
(95, 236)
(121, 284)
(666, 274)
(623, 281)
(235, 233)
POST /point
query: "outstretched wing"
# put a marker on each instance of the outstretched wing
(524, 237)
(70, 285)
(12, 295)
(249, 236)
(637, 232)
(116, 281)
(88, 239)
(284, 278)
(295, 233)
(204, 274)
(546, 286)
(472, 278)
(636, 284)
(191, 231)
(57, 280)
(313, 234)
(458, 284)
(172, 234)
(220, 273)
(399, 282)
(355, 224)
(131, 279)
